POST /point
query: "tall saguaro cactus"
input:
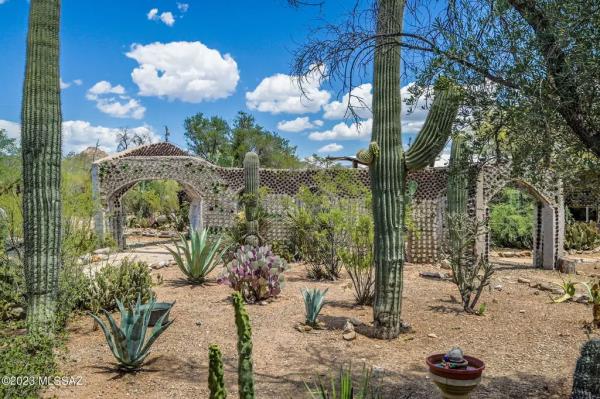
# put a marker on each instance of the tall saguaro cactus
(389, 164)
(458, 182)
(251, 182)
(41, 151)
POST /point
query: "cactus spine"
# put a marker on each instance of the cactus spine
(216, 384)
(586, 379)
(41, 121)
(389, 164)
(251, 181)
(244, 346)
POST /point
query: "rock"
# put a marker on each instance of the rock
(158, 265)
(102, 251)
(199, 323)
(434, 275)
(522, 311)
(498, 287)
(581, 298)
(355, 321)
(432, 335)
(568, 266)
(445, 264)
(546, 287)
(523, 280)
(303, 327)
(349, 336)
(263, 303)
(348, 333)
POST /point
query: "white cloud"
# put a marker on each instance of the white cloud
(183, 7)
(167, 18)
(299, 124)
(3, 1)
(79, 135)
(152, 14)
(360, 100)
(343, 131)
(281, 93)
(64, 85)
(333, 147)
(118, 107)
(186, 71)
(78, 82)
(13, 130)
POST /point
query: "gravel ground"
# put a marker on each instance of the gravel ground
(530, 345)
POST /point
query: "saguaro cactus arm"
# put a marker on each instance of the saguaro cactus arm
(41, 152)
(368, 155)
(437, 128)
(244, 330)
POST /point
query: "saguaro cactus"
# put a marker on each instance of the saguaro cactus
(389, 164)
(458, 181)
(586, 379)
(41, 151)
(251, 182)
(216, 384)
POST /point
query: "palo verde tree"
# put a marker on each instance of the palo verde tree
(41, 151)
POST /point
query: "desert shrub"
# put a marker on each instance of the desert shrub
(25, 355)
(124, 282)
(511, 220)
(358, 260)
(345, 387)
(284, 249)
(12, 289)
(582, 236)
(470, 274)
(255, 272)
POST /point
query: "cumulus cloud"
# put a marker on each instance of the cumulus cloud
(79, 135)
(65, 85)
(152, 14)
(281, 93)
(360, 99)
(329, 148)
(119, 106)
(299, 124)
(183, 7)
(186, 71)
(343, 131)
(166, 17)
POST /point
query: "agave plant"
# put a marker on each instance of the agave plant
(568, 288)
(127, 341)
(199, 257)
(343, 388)
(313, 303)
(593, 290)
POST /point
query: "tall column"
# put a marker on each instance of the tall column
(548, 215)
(195, 214)
(98, 210)
(117, 221)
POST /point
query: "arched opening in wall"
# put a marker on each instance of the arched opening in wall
(521, 227)
(151, 211)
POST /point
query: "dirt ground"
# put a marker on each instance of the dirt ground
(530, 345)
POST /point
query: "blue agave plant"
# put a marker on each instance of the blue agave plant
(127, 341)
(313, 303)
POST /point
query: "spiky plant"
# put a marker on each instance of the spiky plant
(127, 340)
(314, 299)
(593, 290)
(586, 379)
(343, 387)
(389, 164)
(244, 346)
(41, 142)
(251, 181)
(199, 257)
(216, 383)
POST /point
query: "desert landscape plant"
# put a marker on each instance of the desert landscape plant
(343, 387)
(41, 148)
(357, 258)
(255, 272)
(314, 299)
(198, 258)
(216, 382)
(582, 236)
(127, 340)
(586, 384)
(593, 290)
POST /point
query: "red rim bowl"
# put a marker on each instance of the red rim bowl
(456, 374)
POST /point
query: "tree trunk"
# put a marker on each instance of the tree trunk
(41, 151)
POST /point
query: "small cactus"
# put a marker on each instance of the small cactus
(216, 383)
(244, 346)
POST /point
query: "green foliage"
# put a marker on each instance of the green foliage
(125, 281)
(582, 236)
(314, 299)
(568, 288)
(511, 219)
(593, 290)
(244, 347)
(216, 382)
(322, 219)
(12, 288)
(198, 258)
(358, 260)
(28, 355)
(8, 146)
(127, 340)
(214, 140)
(343, 387)
(147, 198)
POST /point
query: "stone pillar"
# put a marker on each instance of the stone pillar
(538, 242)
(549, 236)
(482, 242)
(195, 214)
(117, 221)
(98, 209)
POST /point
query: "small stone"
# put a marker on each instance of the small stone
(581, 298)
(263, 303)
(434, 275)
(522, 311)
(157, 265)
(432, 335)
(498, 287)
(199, 323)
(349, 336)
(445, 264)
(523, 280)
(355, 321)
(303, 327)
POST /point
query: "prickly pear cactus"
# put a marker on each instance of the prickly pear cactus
(586, 379)
(251, 181)
(389, 164)
(41, 152)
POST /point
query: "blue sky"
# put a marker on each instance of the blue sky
(144, 64)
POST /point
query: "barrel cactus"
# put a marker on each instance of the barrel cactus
(389, 164)
(41, 142)
(251, 181)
